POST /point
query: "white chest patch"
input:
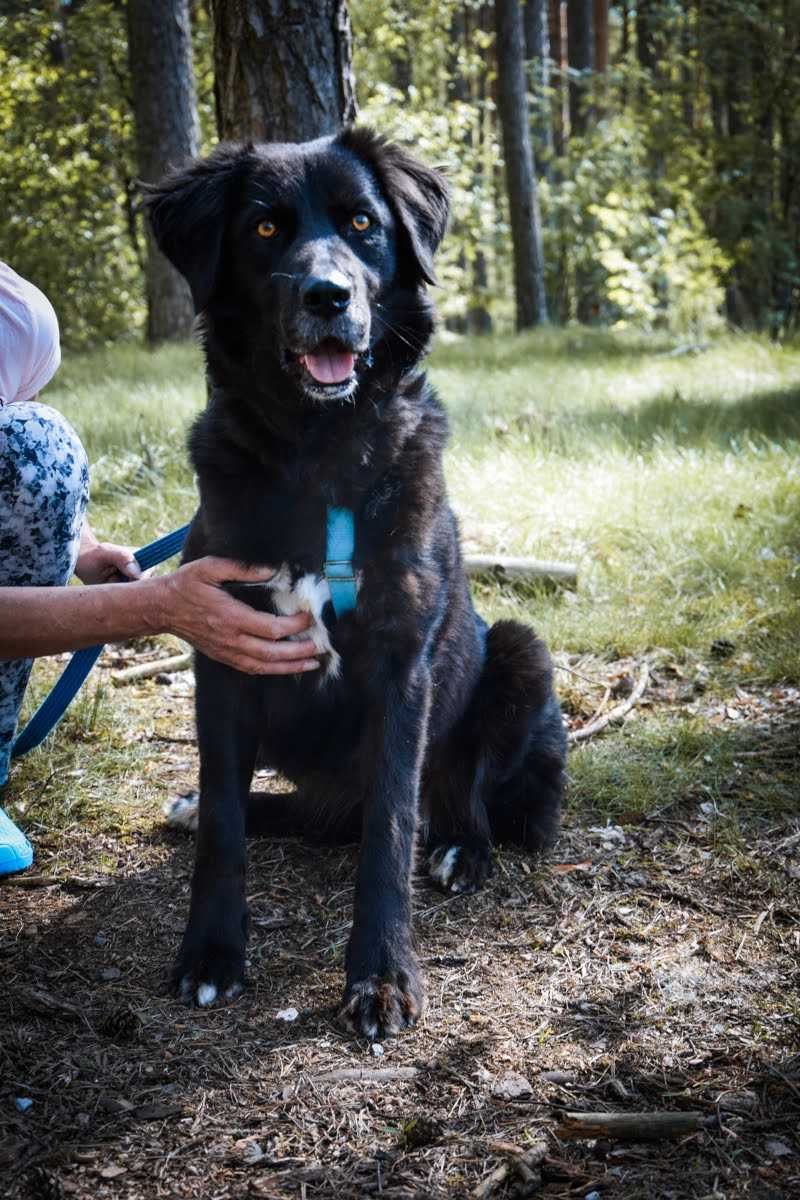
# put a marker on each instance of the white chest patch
(310, 594)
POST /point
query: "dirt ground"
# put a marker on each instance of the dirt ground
(646, 966)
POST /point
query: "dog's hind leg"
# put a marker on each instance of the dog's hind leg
(458, 843)
(499, 777)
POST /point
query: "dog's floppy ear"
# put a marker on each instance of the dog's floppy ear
(418, 194)
(188, 214)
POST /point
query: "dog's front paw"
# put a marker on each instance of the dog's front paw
(383, 1005)
(208, 968)
(460, 866)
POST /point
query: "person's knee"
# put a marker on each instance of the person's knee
(44, 491)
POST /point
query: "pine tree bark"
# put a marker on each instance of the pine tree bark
(283, 69)
(523, 198)
(165, 110)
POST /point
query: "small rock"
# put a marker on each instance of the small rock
(592, 1196)
(557, 1076)
(287, 1014)
(512, 1086)
(23, 1103)
(107, 974)
(100, 939)
(248, 1151)
(113, 1172)
(778, 1149)
(376, 1049)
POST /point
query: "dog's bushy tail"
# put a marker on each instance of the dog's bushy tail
(518, 722)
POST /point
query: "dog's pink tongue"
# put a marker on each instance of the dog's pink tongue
(330, 366)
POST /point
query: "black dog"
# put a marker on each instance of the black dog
(309, 265)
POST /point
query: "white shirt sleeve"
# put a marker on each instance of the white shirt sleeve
(30, 351)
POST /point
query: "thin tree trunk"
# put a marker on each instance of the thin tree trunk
(523, 199)
(645, 34)
(600, 25)
(165, 108)
(283, 69)
(536, 25)
(558, 48)
(580, 36)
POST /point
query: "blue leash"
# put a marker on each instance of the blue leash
(338, 571)
(54, 705)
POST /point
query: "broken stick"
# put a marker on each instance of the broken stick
(365, 1075)
(177, 662)
(522, 570)
(632, 1127)
(613, 714)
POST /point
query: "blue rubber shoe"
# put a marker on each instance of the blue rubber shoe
(16, 852)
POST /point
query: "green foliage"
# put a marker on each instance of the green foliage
(679, 204)
(66, 165)
(638, 251)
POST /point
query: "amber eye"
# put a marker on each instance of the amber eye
(361, 222)
(266, 229)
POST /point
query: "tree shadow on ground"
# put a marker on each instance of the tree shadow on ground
(134, 1093)
(674, 420)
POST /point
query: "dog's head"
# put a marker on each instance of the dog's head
(319, 251)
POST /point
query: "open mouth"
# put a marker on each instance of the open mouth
(329, 371)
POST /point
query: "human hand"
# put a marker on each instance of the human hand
(198, 609)
(105, 562)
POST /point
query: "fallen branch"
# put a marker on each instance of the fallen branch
(520, 1162)
(365, 1075)
(47, 881)
(679, 351)
(616, 713)
(178, 662)
(521, 570)
(632, 1127)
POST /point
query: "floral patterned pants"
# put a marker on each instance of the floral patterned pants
(44, 491)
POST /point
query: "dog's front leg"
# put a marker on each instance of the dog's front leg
(384, 991)
(211, 958)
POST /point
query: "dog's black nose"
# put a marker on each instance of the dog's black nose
(327, 296)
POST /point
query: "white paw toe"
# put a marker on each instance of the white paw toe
(442, 864)
(206, 994)
(181, 812)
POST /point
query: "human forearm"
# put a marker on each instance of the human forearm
(191, 602)
(47, 620)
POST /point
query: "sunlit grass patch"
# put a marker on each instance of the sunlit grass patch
(671, 478)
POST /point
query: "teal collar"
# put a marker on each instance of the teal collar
(339, 551)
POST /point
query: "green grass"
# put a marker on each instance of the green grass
(672, 480)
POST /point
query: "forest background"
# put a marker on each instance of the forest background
(666, 138)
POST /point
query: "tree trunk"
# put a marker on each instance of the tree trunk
(283, 69)
(580, 37)
(600, 23)
(523, 199)
(645, 34)
(558, 51)
(536, 25)
(165, 108)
